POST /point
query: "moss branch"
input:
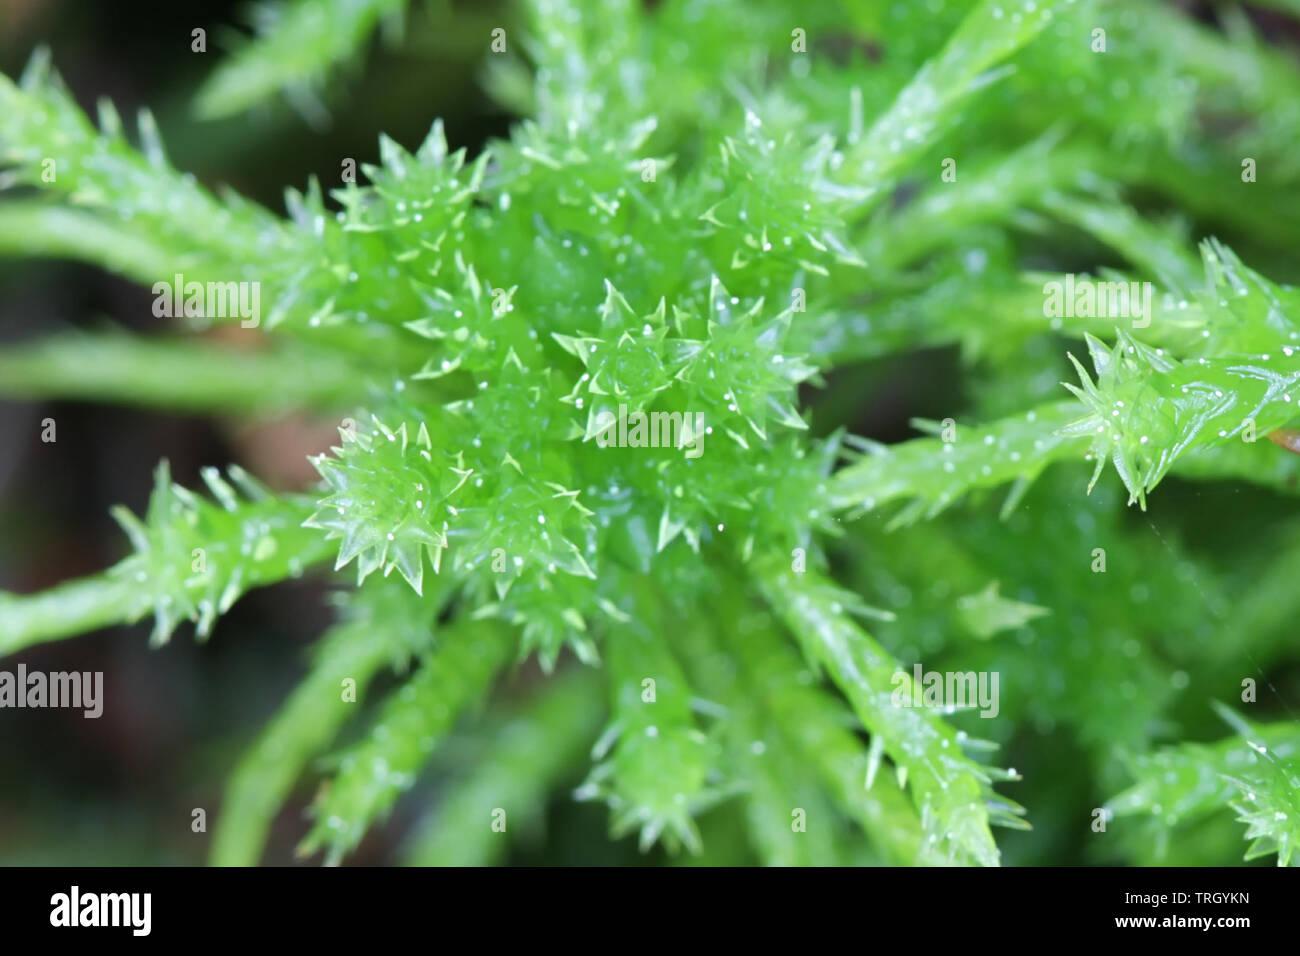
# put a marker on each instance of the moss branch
(69, 609)
(192, 375)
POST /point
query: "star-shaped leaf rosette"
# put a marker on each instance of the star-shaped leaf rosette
(734, 364)
(626, 363)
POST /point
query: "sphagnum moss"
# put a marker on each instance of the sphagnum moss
(708, 206)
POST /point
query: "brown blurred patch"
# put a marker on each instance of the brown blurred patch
(276, 450)
(15, 15)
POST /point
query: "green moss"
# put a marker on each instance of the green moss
(710, 209)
